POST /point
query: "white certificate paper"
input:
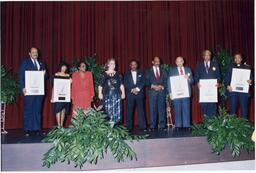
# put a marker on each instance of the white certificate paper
(208, 91)
(34, 82)
(239, 80)
(179, 87)
(61, 90)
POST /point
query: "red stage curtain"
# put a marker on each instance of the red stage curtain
(123, 30)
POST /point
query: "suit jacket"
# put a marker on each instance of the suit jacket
(174, 72)
(151, 78)
(27, 65)
(129, 84)
(213, 72)
(228, 74)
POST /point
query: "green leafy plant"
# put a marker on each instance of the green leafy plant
(87, 139)
(9, 86)
(226, 130)
(92, 66)
(224, 58)
(166, 67)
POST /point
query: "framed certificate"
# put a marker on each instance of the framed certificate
(208, 91)
(179, 87)
(34, 82)
(239, 80)
(61, 90)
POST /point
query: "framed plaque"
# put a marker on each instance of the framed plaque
(34, 82)
(61, 90)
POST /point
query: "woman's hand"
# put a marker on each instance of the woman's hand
(100, 95)
(123, 96)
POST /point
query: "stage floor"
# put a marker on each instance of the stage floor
(17, 135)
(161, 148)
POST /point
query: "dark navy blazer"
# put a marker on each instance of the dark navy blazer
(228, 74)
(151, 78)
(27, 65)
(213, 72)
(129, 84)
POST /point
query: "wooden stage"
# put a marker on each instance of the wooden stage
(164, 151)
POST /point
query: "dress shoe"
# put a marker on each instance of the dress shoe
(40, 133)
(177, 129)
(162, 129)
(187, 129)
(151, 129)
(143, 129)
(27, 133)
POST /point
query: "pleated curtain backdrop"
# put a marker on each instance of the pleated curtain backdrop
(123, 30)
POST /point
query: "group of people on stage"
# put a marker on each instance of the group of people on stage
(114, 87)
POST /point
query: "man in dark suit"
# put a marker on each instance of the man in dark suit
(32, 103)
(156, 80)
(181, 105)
(233, 96)
(207, 69)
(134, 82)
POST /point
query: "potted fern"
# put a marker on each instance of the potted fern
(87, 139)
(226, 130)
(224, 59)
(9, 91)
(9, 87)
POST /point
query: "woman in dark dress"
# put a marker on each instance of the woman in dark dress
(60, 109)
(111, 92)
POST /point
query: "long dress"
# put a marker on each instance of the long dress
(59, 106)
(82, 90)
(112, 102)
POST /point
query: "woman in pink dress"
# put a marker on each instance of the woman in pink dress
(82, 90)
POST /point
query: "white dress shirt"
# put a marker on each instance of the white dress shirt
(208, 63)
(183, 69)
(35, 62)
(134, 76)
(156, 68)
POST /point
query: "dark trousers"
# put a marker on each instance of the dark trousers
(209, 109)
(157, 107)
(182, 112)
(32, 113)
(243, 99)
(131, 101)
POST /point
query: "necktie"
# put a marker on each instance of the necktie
(206, 67)
(34, 62)
(181, 71)
(157, 74)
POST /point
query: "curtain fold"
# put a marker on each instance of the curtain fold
(123, 30)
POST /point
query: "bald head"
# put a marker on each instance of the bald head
(179, 61)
